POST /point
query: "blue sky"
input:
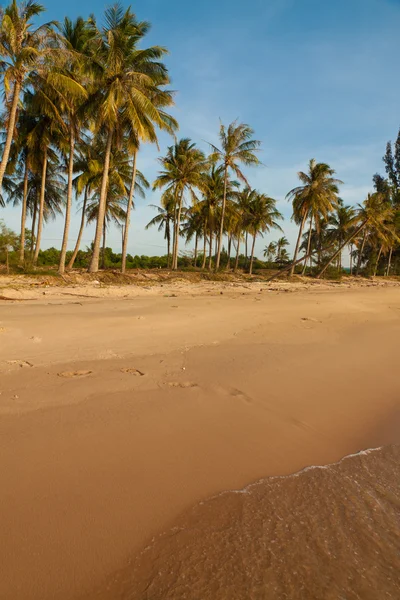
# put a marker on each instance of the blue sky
(313, 78)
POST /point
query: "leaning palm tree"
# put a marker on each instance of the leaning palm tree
(22, 49)
(127, 96)
(237, 147)
(376, 214)
(315, 199)
(182, 171)
(262, 217)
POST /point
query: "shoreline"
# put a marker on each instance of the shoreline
(230, 388)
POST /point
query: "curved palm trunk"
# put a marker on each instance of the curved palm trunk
(33, 228)
(94, 263)
(81, 228)
(308, 246)
(237, 256)
(41, 208)
(128, 214)
(296, 250)
(252, 254)
(377, 261)
(221, 229)
(61, 266)
(345, 243)
(361, 253)
(10, 131)
(177, 228)
(23, 214)
(195, 249)
(389, 262)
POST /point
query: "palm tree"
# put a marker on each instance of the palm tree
(164, 220)
(316, 199)
(262, 217)
(22, 49)
(339, 226)
(69, 80)
(127, 95)
(376, 214)
(237, 146)
(270, 251)
(182, 170)
(281, 252)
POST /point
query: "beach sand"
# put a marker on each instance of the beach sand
(123, 408)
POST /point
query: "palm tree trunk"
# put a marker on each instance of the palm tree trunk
(128, 214)
(177, 228)
(210, 251)
(296, 250)
(81, 228)
(361, 252)
(237, 256)
(33, 227)
(168, 238)
(61, 266)
(389, 262)
(228, 264)
(10, 131)
(94, 263)
(103, 250)
(41, 208)
(308, 246)
(23, 214)
(246, 249)
(351, 259)
(252, 254)
(345, 243)
(221, 229)
(195, 249)
(377, 261)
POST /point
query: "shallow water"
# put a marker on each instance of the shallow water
(325, 533)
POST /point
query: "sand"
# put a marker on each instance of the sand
(122, 407)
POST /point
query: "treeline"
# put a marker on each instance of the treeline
(80, 100)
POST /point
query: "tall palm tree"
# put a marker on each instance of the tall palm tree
(262, 217)
(237, 147)
(127, 96)
(315, 199)
(270, 251)
(69, 79)
(281, 249)
(339, 226)
(182, 170)
(21, 50)
(164, 220)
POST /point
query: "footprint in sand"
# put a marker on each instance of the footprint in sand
(182, 384)
(134, 372)
(20, 363)
(74, 374)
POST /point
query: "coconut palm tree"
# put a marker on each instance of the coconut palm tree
(261, 218)
(374, 215)
(128, 96)
(270, 251)
(315, 199)
(281, 252)
(182, 171)
(22, 48)
(237, 147)
(164, 220)
(339, 226)
(69, 78)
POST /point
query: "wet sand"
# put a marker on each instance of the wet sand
(119, 415)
